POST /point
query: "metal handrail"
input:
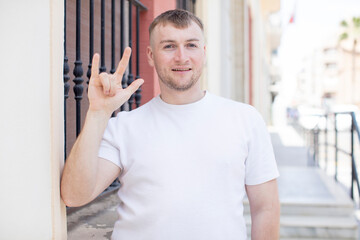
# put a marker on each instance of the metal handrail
(354, 129)
(356, 126)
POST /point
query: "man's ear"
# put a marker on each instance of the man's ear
(150, 56)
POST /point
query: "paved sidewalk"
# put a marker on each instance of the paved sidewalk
(95, 220)
(299, 179)
(289, 147)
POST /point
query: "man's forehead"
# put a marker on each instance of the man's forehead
(164, 30)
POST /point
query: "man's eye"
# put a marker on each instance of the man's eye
(169, 46)
(192, 45)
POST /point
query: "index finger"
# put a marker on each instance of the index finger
(124, 61)
(95, 65)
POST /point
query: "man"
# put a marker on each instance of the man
(184, 159)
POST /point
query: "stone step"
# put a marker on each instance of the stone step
(311, 209)
(308, 191)
(304, 227)
(311, 239)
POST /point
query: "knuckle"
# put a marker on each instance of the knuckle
(103, 74)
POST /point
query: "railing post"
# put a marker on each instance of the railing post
(66, 77)
(130, 76)
(112, 70)
(138, 91)
(355, 130)
(102, 67)
(122, 42)
(353, 177)
(91, 39)
(336, 147)
(78, 71)
(326, 141)
(316, 146)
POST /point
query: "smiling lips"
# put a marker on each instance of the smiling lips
(181, 69)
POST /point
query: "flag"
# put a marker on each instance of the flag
(292, 16)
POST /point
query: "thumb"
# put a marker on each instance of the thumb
(134, 86)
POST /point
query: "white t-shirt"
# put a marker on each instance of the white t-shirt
(184, 168)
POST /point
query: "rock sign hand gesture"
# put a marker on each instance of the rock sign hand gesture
(105, 90)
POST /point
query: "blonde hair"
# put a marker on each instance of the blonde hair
(178, 17)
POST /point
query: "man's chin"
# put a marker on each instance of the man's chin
(179, 87)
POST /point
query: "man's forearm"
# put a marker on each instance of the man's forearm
(80, 171)
(266, 224)
(265, 210)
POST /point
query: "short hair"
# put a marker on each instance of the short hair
(178, 17)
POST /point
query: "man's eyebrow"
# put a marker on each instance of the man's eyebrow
(193, 40)
(173, 41)
(167, 41)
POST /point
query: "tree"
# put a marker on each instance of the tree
(351, 34)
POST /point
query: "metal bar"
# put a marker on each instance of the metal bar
(139, 4)
(138, 91)
(78, 71)
(122, 42)
(356, 126)
(316, 147)
(102, 67)
(354, 129)
(326, 142)
(343, 151)
(130, 76)
(353, 167)
(356, 176)
(112, 36)
(336, 149)
(66, 77)
(112, 70)
(91, 39)
(339, 149)
(137, 40)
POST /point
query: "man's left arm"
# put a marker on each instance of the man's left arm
(265, 210)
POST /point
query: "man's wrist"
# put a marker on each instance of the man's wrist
(99, 115)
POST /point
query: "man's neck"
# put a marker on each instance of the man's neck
(182, 97)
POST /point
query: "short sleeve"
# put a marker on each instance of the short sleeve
(109, 146)
(260, 164)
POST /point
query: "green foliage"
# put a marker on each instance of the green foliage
(351, 29)
(356, 21)
(343, 36)
(343, 23)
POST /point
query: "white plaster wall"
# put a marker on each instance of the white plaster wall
(246, 53)
(260, 79)
(238, 50)
(226, 50)
(213, 37)
(30, 98)
(218, 73)
(227, 68)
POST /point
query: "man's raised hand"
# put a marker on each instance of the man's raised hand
(105, 90)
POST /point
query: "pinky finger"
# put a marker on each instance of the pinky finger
(134, 86)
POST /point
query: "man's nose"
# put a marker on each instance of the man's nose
(180, 54)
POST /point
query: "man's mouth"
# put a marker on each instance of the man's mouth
(181, 69)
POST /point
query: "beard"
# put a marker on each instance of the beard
(180, 86)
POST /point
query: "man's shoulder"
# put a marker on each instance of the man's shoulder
(231, 105)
